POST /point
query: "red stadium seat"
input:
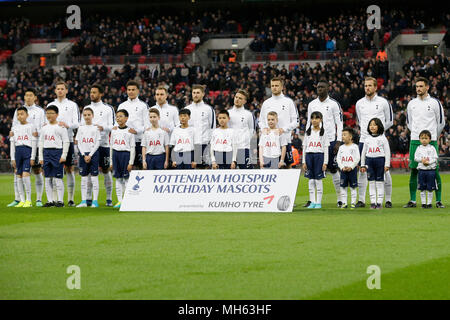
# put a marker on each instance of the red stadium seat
(273, 57)
(142, 59)
(3, 83)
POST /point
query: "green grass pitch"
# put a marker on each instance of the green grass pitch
(307, 254)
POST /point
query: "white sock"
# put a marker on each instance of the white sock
(373, 192)
(353, 194)
(39, 182)
(49, 189)
(89, 188)
(423, 196)
(119, 189)
(27, 185)
(337, 184)
(319, 188)
(388, 186)
(55, 190)
(95, 187)
(59, 188)
(362, 186)
(380, 192)
(312, 190)
(108, 185)
(16, 189)
(344, 196)
(70, 185)
(84, 183)
(430, 197)
(20, 189)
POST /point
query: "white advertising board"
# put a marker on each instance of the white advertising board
(211, 190)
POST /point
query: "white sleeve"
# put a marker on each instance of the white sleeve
(387, 153)
(97, 143)
(308, 116)
(418, 155)
(440, 117)
(146, 120)
(213, 118)
(339, 121)
(357, 158)
(41, 148)
(111, 121)
(251, 125)
(338, 158)
(408, 117)
(75, 118)
(172, 139)
(132, 155)
(363, 155)
(33, 149)
(110, 156)
(388, 116)
(176, 119)
(14, 121)
(435, 157)
(305, 144)
(293, 118)
(12, 150)
(66, 146)
(325, 155)
(358, 115)
(263, 116)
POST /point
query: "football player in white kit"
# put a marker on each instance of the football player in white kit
(369, 107)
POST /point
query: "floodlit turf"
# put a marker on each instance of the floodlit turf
(307, 254)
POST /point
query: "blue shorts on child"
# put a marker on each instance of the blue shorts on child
(375, 168)
(271, 163)
(91, 167)
(121, 161)
(224, 159)
(52, 167)
(349, 179)
(23, 157)
(314, 164)
(155, 161)
(183, 160)
(427, 180)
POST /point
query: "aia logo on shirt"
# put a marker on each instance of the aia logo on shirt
(183, 141)
(49, 138)
(374, 150)
(154, 143)
(271, 144)
(119, 142)
(88, 140)
(347, 159)
(22, 138)
(314, 144)
(221, 141)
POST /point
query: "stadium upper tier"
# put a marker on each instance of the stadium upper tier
(177, 33)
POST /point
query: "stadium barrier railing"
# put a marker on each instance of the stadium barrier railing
(308, 55)
(123, 59)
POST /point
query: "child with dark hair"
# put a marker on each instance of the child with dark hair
(375, 159)
(348, 159)
(315, 158)
(427, 158)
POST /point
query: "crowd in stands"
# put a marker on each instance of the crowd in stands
(274, 31)
(222, 79)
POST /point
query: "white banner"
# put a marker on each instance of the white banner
(211, 190)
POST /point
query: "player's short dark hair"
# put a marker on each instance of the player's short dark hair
(125, 112)
(99, 87)
(32, 90)
(379, 124)
(425, 80)
(185, 111)
(223, 111)
(350, 131)
(52, 107)
(154, 110)
(88, 109)
(132, 83)
(22, 109)
(425, 133)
